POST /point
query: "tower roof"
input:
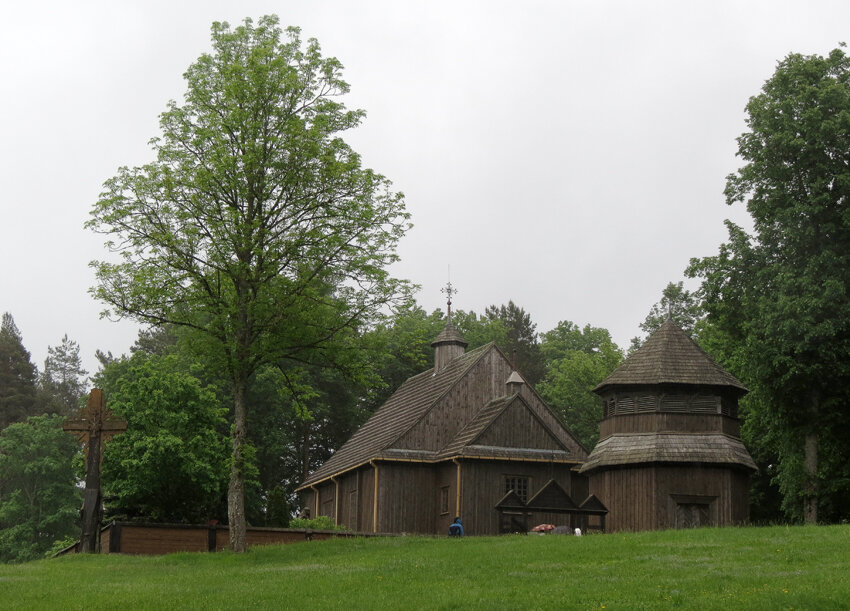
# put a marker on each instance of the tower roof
(669, 356)
(449, 335)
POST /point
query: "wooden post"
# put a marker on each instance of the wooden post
(93, 425)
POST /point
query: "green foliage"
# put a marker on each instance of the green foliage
(63, 381)
(317, 523)
(39, 501)
(301, 416)
(682, 306)
(778, 299)
(278, 509)
(578, 360)
(18, 375)
(256, 224)
(707, 569)
(522, 337)
(171, 463)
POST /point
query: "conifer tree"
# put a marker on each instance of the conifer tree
(63, 379)
(17, 375)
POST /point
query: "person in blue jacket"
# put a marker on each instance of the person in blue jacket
(456, 528)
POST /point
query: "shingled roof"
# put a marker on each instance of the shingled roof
(464, 443)
(401, 411)
(669, 356)
(635, 448)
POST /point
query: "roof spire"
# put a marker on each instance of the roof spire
(669, 310)
(449, 291)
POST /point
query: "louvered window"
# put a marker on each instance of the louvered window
(705, 404)
(674, 403)
(647, 404)
(625, 405)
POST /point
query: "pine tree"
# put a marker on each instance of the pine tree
(17, 375)
(63, 379)
(522, 337)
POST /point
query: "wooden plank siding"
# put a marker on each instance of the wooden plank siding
(479, 500)
(518, 427)
(645, 497)
(485, 381)
(652, 422)
(406, 498)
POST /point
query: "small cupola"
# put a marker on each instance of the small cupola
(514, 383)
(448, 346)
(449, 343)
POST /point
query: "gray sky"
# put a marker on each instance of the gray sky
(570, 156)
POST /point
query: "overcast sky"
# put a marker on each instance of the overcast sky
(570, 156)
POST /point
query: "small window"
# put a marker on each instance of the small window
(519, 484)
(444, 500)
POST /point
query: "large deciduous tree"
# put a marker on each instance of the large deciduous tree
(781, 296)
(256, 224)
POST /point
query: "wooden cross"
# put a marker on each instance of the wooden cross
(93, 425)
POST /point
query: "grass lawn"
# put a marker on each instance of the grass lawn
(733, 568)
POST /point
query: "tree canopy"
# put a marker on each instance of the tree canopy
(18, 375)
(577, 360)
(256, 225)
(63, 380)
(39, 501)
(522, 337)
(170, 464)
(779, 296)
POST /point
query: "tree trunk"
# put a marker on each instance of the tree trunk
(305, 450)
(90, 539)
(810, 504)
(236, 489)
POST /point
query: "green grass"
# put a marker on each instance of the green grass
(733, 568)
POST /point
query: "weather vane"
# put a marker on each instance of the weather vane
(449, 290)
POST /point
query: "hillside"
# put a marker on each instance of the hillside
(749, 568)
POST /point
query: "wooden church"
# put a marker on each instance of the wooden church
(470, 438)
(466, 438)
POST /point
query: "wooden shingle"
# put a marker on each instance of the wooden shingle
(669, 356)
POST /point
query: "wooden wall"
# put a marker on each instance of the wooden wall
(409, 494)
(485, 381)
(661, 421)
(646, 497)
(445, 476)
(356, 497)
(517, 427)
(407, 498)
(478, 502)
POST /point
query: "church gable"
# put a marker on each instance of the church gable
(460, 405)
(518, 427)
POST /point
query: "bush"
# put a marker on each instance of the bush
(318, 523)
